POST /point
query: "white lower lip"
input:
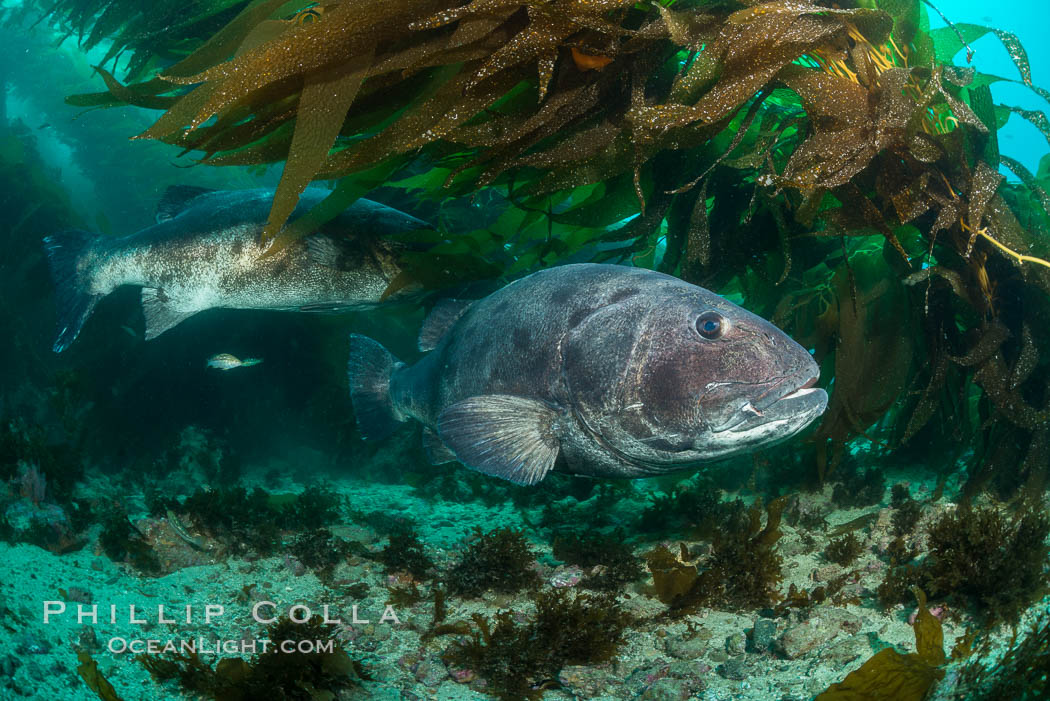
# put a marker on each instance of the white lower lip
(798, 393)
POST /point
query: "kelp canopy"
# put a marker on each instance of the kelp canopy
(824, 160)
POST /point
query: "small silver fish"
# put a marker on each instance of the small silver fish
(227, 361)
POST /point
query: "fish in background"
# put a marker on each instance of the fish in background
(228, 361)
(597, 370)
(204, 252)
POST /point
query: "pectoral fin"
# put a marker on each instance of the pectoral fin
(502, 435)
(437, 452)
(442, 317)
(159, 314)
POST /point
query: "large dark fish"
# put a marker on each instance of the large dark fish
(597, 370)
(205, 252)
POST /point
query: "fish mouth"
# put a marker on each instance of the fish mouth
(790, 400)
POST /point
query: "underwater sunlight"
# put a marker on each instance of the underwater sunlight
(524, 349)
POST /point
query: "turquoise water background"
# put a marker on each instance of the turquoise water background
(1029, 20)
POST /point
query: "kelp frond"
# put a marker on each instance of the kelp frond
(823, 159)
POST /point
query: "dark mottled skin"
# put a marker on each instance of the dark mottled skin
(615, 352)
(209, 255)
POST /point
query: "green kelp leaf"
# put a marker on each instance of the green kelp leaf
(988, 79)
(225, 42)
(1036, 117)
(890, 676)
(612, 201)
(946, 45)
(1029, 180)
(348, 191)
(672, 578)
(88, 671)
(138, 97)
(323, 105)
(148, 94)
(1043, 172)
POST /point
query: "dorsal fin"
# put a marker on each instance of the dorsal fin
(442, 317)
(176, 198)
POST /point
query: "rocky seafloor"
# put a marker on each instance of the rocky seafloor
(781, 651)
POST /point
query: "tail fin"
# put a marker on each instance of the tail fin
(64, 252)
(369, 369)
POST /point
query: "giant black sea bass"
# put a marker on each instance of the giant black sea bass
(205, 252)
(598, 370)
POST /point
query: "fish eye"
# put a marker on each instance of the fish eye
(710, 325)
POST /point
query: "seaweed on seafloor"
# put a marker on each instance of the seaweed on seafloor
(1021, 672)
(284, 671)
(123, 542)
(611, 561)
(696, 506)
(900, 552)
(743, 570)
(316, 506)
(805, 516)
(24, 446)
(404, 595)
(499, 560)
(95, 680)
(845, 550)
(252, 521)
(520, 660)
(596, 513)
(892, 676)
(797, 598)
(383, 522)
(405, 553)
(899, 494)
(896, 584)
(242, 520)
(320, 551)
(990, 559)
(905, 517)
(858, 488)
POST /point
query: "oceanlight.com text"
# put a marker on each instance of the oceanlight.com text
(216, 646)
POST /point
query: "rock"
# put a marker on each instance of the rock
(736, 644)
(685, 648)
(30, 644)
(802, 638)
(718, 656)
(733, 669)
(799, 640)
(431, 672)
(566, 576)
(842, 619)
(842, 652)
(763, 634)
(667, 690)
(643, 677)
(827, 573)
(8, 665)
(688, 670)
(586, 682)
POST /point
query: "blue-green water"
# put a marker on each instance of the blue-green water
(223, 470)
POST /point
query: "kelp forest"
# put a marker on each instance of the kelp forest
(833, 166)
